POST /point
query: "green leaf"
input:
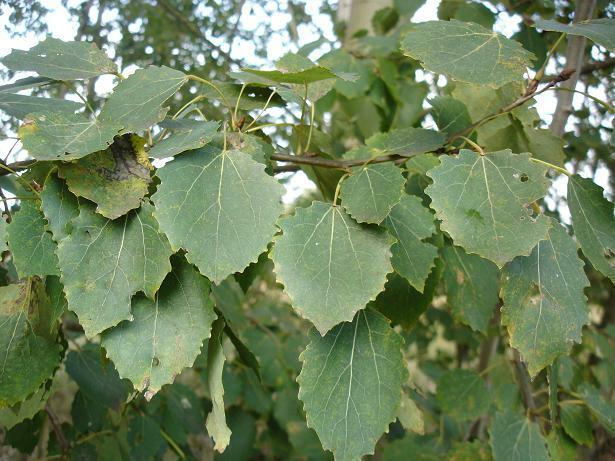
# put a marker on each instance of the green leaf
(64, 135)
(410, 416)
(165, 335)
(330, 266)
(406, 142)
(216, 420)
(371, 191)
(186, 135)
(561, 448)
(593, 223)
(105, 262)
(466, 52)
(116, 179)
(410, 222)
(577, 423)
(26, 84)
(544, 304)
(603, 410)
(484, 202)
(25, 409)
(137, 102)
(471, 285)
(18, 105)
(220, 206)
(516, 438)
(450, 114)
(61, 60)
(97, 378)
(402, 303)
(59, 206)
(470, 451)
(297, 69)
(463, 394)
(29, 355)
(31, 245)
(601, 31)
(350, 384)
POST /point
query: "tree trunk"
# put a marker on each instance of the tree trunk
(357, 14)
(574, 60)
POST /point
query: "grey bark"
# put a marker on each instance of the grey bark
(574, 60)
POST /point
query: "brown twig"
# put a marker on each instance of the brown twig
(523, 379)
(57, 429)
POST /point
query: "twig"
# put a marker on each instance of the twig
(588, 68)
(57, 429)
(524, 383)
(563, 76)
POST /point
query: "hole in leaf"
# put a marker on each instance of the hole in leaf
(524, 177)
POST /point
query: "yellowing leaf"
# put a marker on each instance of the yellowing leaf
(165, 335)
(484, 202)
(544, 307)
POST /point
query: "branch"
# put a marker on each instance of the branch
(574, 59)
(589, 68)
(562, 77)
(57, 429)
(330, 163)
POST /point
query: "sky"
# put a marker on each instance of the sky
(64, 27)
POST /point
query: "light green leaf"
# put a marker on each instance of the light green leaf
(136, 103)
(3, 234)
(561, 447)
(516, 438)
(466, 52)
(410, 416)
(116, 179)
(471, 285)
(370, 192)
(187, 135)
(297, 69)
(29, 355)
(577, 422)
(105, 262)
(216, 420)
(410, 222)
(61, 60)
(544, 304)
(593, 223)
(65, 135)
(330, 266)
(405, 142)
(165, 335)
(350, 384)
(25, 409)
(601, 31)
(59, 206)
(31, 245)
(602, 409)
(463, 394)
(220, 206)
(18, 105)
(484, 202)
